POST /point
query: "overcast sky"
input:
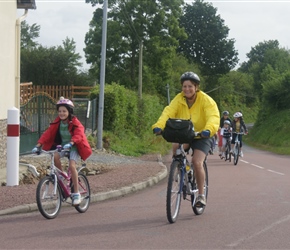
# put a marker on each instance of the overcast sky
(250, 22)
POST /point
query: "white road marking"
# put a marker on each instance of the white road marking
(257, 166)
(272, 171)
(247, 238)
(244, 161)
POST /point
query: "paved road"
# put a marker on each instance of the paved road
(248, 208)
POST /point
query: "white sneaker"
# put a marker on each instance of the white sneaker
(241, 154)
(76, 199)
(200, 201)
(223, 155)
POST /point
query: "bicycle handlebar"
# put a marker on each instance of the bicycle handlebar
(58, 149)
(195, 133)
(239, 133)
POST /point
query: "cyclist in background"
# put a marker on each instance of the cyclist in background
(194, 104)
(226, 133)
(223, 118)
(66, 130)
(238, 126)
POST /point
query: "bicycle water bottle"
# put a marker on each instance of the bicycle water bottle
(189, 171)
(187, 167)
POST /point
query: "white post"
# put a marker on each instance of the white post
(13, 132)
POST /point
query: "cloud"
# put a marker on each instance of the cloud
(250, 22)
(61, 19)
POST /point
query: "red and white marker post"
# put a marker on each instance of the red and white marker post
(13, 133)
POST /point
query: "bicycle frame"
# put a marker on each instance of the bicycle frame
(236, 149)
(180, 183)
(52, 190)
(227, 149)
(55, 173)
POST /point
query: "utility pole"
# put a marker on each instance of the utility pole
(102, 79)
(140, 69)
(168, 95)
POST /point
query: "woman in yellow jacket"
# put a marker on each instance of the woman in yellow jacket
(196, 105)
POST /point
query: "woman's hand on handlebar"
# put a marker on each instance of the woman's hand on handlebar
(205, 133)
(157, 131)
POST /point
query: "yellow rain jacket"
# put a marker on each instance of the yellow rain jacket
(204, 113)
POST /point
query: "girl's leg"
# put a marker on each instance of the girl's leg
(57, 161)
(233, 141)
(76, 197)
(241, 144)
(74, 175)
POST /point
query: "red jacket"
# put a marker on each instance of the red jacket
(51, 137)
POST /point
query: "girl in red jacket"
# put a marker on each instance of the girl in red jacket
(66, 130)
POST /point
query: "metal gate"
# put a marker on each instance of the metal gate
(40, 111)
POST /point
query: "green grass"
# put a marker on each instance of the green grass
(272, 134)
(132, 145)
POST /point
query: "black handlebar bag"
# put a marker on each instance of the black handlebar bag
(178, 131)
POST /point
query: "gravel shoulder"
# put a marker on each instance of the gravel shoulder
(112, 172)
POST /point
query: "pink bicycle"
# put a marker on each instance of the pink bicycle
(56, 187)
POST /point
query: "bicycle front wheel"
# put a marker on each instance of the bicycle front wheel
(48, 202)
(85, 192)
(236, 153)
(200, 210)
(173, 198)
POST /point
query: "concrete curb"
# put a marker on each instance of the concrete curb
(100, 196)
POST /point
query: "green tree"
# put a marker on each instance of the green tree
(154, 24)
(207, 44)
(28, 35)
(53, 65)
(257, 54)
(262, 57)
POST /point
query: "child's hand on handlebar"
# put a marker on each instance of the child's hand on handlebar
(36, 150)
(67, 146)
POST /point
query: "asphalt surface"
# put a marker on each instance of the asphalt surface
(102, 195)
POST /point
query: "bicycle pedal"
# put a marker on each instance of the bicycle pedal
(199, 205)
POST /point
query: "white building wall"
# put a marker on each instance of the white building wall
(7, 69)
(7, 56)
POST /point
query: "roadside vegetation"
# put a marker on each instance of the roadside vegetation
(170, 41)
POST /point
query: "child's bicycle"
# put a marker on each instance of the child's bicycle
(56, 187)
(182, 181)
(237, 148)
(228, 155)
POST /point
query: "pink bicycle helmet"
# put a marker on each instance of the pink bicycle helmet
(66, 103)
(238, 115)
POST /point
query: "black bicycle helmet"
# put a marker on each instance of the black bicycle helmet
(190, 76)
(226, 113)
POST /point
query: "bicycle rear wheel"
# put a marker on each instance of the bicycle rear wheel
(200, 210)
(85, 192)
(228, 152)
(48, 203)
(173, 198)
(236, 153)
